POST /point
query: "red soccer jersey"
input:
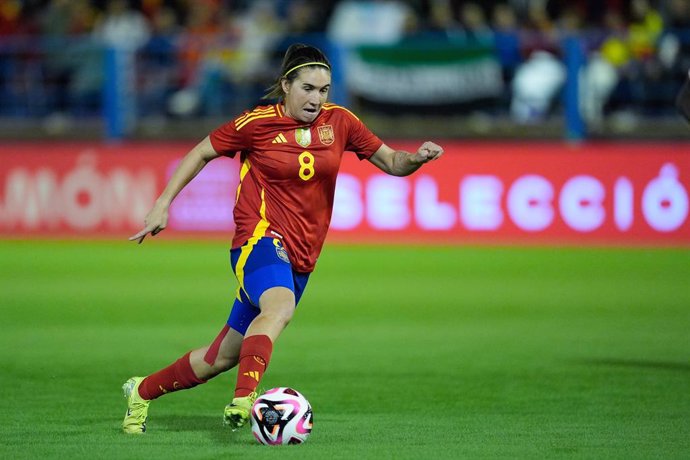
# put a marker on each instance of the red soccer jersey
(288, 174)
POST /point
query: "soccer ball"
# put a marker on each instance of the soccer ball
(281, 416)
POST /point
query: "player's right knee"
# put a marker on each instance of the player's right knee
(278, 302)
(280, 315)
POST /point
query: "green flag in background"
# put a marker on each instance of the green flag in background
(425, 73)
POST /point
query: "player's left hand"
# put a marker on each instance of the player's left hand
(429, 151)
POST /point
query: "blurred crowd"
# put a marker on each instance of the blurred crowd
(636, 50)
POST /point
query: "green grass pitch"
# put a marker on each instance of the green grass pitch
(404, 352)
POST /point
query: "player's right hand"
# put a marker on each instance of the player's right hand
(155, 222)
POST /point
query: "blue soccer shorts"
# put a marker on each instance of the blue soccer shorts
(259, 266)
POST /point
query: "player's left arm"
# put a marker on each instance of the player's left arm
(401, 163)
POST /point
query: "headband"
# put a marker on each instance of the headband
(306, 64)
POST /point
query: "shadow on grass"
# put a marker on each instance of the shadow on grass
(211, 425)
(640, 364)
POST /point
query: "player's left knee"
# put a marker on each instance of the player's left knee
(224, 363)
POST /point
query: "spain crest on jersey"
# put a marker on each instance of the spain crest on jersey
(303, 136)
(326, 135)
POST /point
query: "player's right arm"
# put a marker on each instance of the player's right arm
(157, 218)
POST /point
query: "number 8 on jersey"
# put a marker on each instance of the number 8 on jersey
(306, 162)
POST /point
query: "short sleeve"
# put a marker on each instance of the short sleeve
(227, 140)
(360, 139)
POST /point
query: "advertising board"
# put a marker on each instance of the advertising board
(503, 193)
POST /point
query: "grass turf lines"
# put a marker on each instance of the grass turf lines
(404, 352)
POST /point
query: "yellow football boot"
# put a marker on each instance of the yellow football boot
(236, 413)
(137, 407)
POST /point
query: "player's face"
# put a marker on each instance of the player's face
(307, 93)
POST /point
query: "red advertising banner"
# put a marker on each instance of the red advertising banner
(93, 190)
(536, 193)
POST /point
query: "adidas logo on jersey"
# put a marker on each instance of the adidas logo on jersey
(280, 139)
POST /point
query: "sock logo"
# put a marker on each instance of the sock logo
(252, 374)
(259, 360)
(176, 385)
(162, 389)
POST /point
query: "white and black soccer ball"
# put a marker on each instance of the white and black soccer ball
(281, 416)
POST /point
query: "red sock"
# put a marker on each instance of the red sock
(254, 357)
(178, 376)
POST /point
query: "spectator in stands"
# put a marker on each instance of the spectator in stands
(673, 52)
(442, 22)
(539, 79)
(603, 70)
(122, 27)
(10, 24)
(506, 39)
(645, 73)
(260, 30)
(200, 28)
(657, 47)
(73, 65)
(380, 23)
(232, 70)
(535, 86)
(644, 30)
(674, 46)
(11, 19)
(158, 70)
(200, 32)
(307, 16)
(119, 27)
(475, 27)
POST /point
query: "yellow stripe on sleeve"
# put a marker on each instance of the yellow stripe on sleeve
(242, 118)
(330, 106)
(255, 117)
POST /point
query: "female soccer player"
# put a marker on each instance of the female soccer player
(290, 154)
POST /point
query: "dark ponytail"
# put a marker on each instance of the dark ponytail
(297, 57)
